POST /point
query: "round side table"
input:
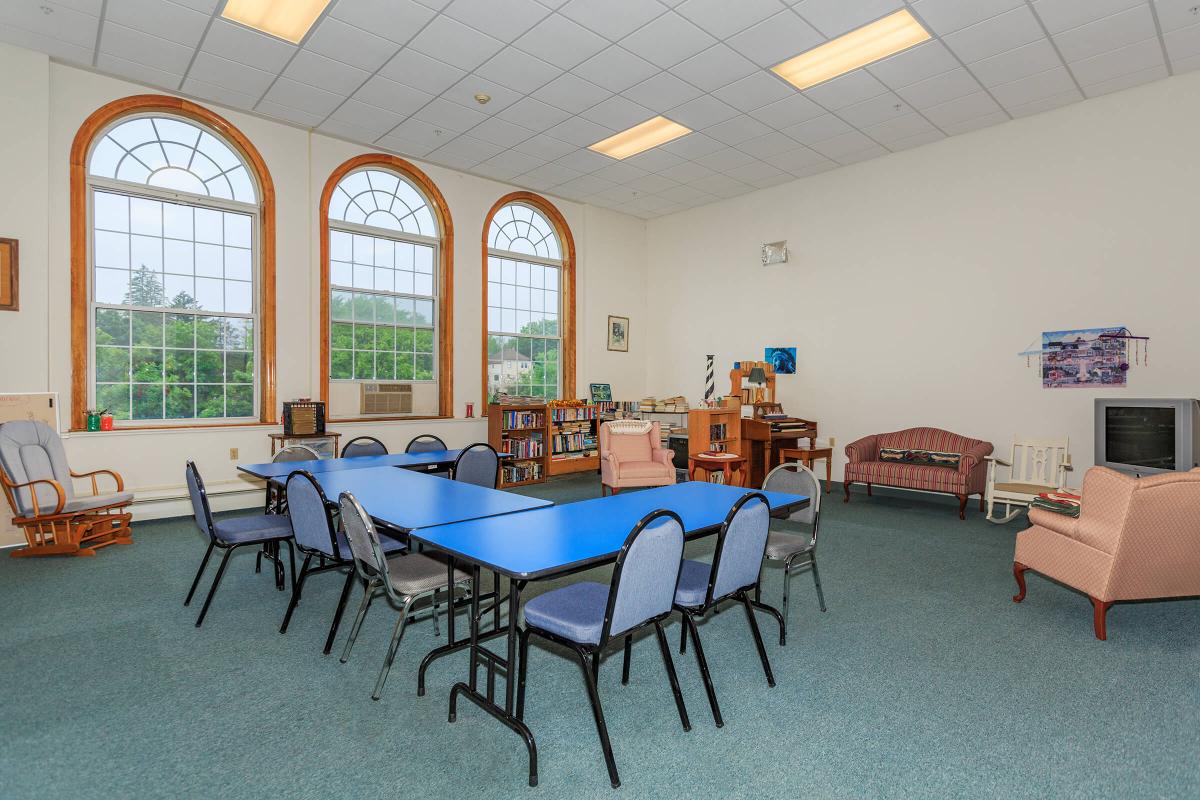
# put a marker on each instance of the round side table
(724, 465)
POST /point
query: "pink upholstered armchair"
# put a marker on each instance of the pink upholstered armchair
(1134, 539)
(633, 459)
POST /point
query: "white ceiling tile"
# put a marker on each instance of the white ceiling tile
(138, 72)
(1109, 33)
(512, 163)
(230, 75)
(722, 18)
(371, 120)
(346, 130)
(873, 111)
(618, 113)
(505, 20)
(916, 140)
(682, 194)
(583, 186)
(203, 6)
(662, 92)
(335, 39)
(466, 149)
(915, 64)
(583, 160)
(421, 72)
(463, 93)
(1183, 65)
(737, 130)
(519, 71)
(940, 88)
(1125, 61)
(655, 159)
(580, 132)
(325, 73)
(293, 115)
(702, 112)
(722, 185)
(236, 43)
(776, 39)
(287, 92)
(561, 42)
(835, 17)
(1061, 15)
(715, 67)
(132, 45)
(548, 175)
(168, 20)
(652, 183)
(1126, 81)
(458, 45)
(946, 16)
(819, 129)
(396, 97)
(619, 172)
(1028, 60)
(533, 114)
(667, 41)
(1046, 104)
(615, 68)
(844, 144)
(420, 132)
(397, 20)
(791, 110)
(996, 35)
(692, 146)
(403, 147)
(450, 116)
(1026, 90)
(56, 48)
(63, 23)
(1173, 14)
(960, 109)
(975, 123)
(1183, 42)
(769, 144)
(754, 91)
(217, 94)
(854, 87)
(438, 5)
(874, 151)
(686, 171)
(775, 179)
(571, 93)
(899, 128)
(487, 169)
(612, 19)
(501, 132)
(755, 171)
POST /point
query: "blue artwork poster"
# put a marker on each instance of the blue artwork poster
(783, 359)
(1083, 357)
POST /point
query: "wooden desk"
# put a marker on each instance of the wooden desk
(762, 446)
(807, 455)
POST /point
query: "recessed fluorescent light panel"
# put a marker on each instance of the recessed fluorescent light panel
(640, 138)
(284, 19)
(855, 49)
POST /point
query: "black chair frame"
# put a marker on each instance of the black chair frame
(588, 655)
(347, 445)
(227, 550)
(462, 453)
(495, 595)
(424, 437)
(691, 614)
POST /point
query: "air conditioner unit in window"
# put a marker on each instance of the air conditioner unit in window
(386, 398)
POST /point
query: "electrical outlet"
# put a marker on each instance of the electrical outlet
(233, 454)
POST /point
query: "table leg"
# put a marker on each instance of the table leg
(828, 473)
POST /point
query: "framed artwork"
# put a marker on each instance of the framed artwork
(601, 392)
(782, 359)
(1085, 357)
(9, 294)
(618, 333)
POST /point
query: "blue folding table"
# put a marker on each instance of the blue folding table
(428, 461)
(556, 541)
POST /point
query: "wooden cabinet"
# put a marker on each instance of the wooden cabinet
(715, 429)
(520, 430)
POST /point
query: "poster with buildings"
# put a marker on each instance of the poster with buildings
(1083, 358)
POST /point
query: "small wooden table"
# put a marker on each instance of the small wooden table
(726, 465)
(807, 455)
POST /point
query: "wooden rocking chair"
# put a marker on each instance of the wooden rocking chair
(57, 521)
(1036, 466)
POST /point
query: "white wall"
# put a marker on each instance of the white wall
(46, 102)
(915, 279)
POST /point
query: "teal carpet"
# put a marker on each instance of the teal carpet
(923, 680)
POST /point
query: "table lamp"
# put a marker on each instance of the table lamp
(758, 379)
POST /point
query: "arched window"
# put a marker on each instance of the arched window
(386, 273)
(172, 257)
(530, 299)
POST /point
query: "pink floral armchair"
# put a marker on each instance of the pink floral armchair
(633, 459)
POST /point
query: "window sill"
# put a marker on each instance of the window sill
(156, 429)
(430, 418)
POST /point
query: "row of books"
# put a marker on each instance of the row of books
(524, 471)
(717, 432)
(618, 409)
(523, 420)
(677, 404)
(572, 442)
(570, 414)
(532, 447)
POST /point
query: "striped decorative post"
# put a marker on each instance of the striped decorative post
(710, 384)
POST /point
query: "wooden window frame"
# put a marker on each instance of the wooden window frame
(445, 299)
(99, 121)
(551, 212)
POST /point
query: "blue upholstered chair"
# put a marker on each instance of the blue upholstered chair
(403, 578)
(317, 536)
(230, 534)
(795, 550)
(478, 464)
(585, 617)
(425, 443)
(734, 572)
(364, 446)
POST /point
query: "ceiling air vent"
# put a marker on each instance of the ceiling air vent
(386, 398)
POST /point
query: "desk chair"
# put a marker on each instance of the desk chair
(317, 536)
(296, 452)
(478, 464)
(792, 549)
(426, 443)
(403, 578)
(734, 571)
(586, 616)
(364, 446)
(230, 534)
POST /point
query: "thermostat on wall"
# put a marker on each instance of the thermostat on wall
(775, 253)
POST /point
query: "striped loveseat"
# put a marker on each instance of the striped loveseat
(967, 478)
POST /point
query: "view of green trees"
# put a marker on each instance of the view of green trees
(527, 364)
(175, 364)
(380, 337)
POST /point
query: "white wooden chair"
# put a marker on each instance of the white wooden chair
(1036, 466)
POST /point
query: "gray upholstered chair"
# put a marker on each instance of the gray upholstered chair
(39, 485)
(734, 572)
(364, 446)
(586, 616)
(296, 452)
(229, 534)
(317, 536)
(477, 464)
(425, 443)
(795, 550)
(403, 578)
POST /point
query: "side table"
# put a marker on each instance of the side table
(726, 464)
(807, 455)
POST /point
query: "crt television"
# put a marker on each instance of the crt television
(1146, 437)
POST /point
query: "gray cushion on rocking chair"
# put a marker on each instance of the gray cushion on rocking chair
(82, 503)
(32, 451)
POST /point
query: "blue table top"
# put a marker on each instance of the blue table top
(431, 459)
(404, 500)
(567, 537)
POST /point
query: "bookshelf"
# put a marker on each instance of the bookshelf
(574, 435)
(718, 429)
(520, 429)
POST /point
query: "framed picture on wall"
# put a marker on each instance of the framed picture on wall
(601, 392)
(9, 294)
(618, 333)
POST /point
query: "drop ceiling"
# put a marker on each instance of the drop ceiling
(402, 76)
